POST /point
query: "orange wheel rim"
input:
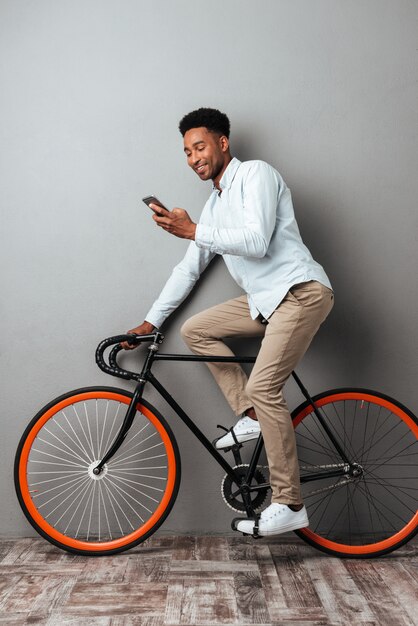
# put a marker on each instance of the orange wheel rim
(104, 545)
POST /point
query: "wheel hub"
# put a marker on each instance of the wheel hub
(356, 470)
(101, 474)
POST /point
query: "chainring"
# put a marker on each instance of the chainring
(228, 487)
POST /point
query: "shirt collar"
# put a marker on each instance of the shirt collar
(229, 174)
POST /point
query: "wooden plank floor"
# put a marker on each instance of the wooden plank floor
(206, 580)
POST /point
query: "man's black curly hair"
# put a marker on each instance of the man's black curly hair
(212, 119)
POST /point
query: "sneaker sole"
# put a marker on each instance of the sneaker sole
(283, 529)
(286, 529)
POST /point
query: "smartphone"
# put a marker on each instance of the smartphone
(154, 200)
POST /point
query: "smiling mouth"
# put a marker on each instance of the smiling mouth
(200, 169)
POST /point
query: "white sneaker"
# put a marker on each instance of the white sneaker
(244, 430)
(275, 519)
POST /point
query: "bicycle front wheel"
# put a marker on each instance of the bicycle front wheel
(72, 507)
(370, 509)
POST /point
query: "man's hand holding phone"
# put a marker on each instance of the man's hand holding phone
(176, 222)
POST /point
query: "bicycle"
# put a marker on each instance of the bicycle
(97, 470)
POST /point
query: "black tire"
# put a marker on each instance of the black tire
(375, 512)
(57, 453)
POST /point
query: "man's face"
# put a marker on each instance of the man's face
(206, 152)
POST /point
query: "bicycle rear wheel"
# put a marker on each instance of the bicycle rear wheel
(72, 507)
(373, 510)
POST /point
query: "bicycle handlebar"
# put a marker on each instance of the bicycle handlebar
(113, 368)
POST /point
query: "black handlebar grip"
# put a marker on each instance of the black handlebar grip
(112, 361)
(112, 368)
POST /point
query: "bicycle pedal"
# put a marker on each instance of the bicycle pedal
(234, 448)
(235, 522)
(219, 449)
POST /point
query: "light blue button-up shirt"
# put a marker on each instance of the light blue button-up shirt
(252, 224)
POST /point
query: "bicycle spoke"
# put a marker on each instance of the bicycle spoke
(131, 439)
(89, 491)
(91, 453)
(114, 512)
(121, 491)
(89, 429)
(321, 497)
(371, 438)
(382, 462)
(73, 493)
(72, 452)
(91, 508)
(111, 430)
(122, 456)
(330, 497)
(378, 429)
(76, 456)
(373, 499)
(133, 473)
(59, 458)
(394, 494)
(343, 508)
(72, 482)
(112, 496)
(97, 437)
(77, 437)
(365, 424)
(366, 486)
(399, 423)
(71, 439)
(123, 462)
(347, 448)
(321, 446)
(81, 482)
(353, 422)
(88, 485)
(51, 480)
(105, 509)
(128, 482)
(103, 429)
(384, 529)
(402, 489)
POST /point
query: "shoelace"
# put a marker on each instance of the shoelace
(272, 514)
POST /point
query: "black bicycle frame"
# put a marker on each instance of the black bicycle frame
(147, 376)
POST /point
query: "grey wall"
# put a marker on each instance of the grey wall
(91, 94)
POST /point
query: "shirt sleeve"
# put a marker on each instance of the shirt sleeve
(182, 280)
(260, 195)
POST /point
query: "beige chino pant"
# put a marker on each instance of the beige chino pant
(287, 336)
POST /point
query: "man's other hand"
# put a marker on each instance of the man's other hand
(143, 329)
(176, 222)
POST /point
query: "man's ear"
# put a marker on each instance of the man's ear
(224, 143)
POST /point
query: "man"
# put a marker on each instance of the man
(249, 220)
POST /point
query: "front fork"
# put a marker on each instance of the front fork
(130, 413)
(124, 429)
